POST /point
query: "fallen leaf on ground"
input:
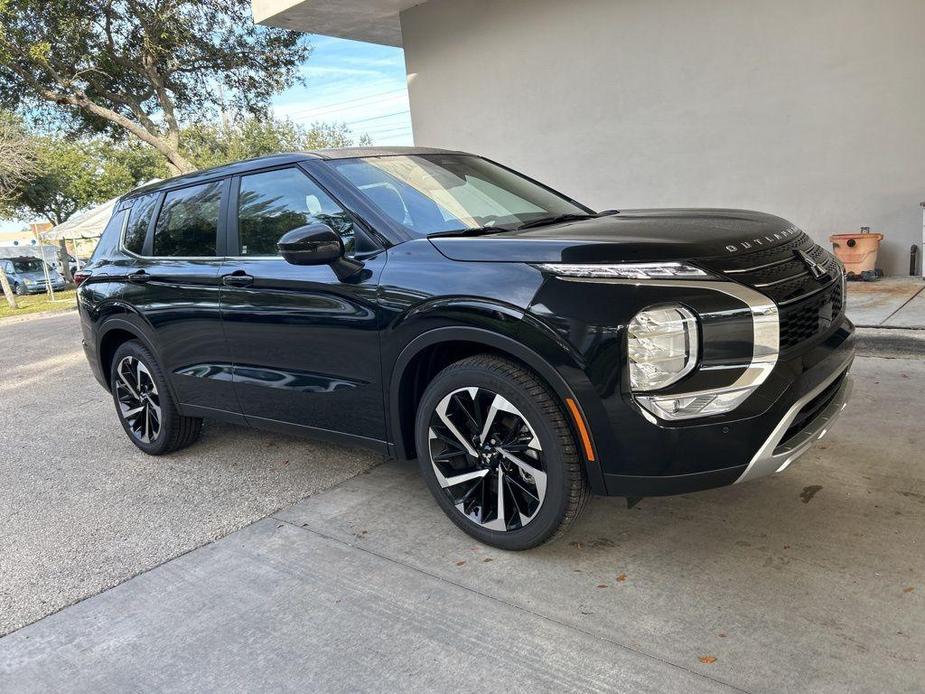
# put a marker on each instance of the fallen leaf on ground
(460, 562)
(707, 659)
(909, 589)
(601, 585)
(621, 577)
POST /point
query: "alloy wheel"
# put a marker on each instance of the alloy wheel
(139, 402)
(487, 459)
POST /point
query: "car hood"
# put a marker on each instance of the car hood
(628, 236)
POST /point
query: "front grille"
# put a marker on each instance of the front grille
(807, 306)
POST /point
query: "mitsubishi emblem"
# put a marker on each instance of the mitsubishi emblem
(815, 269)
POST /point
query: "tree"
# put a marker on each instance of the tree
(214, 144)
(143, 67)
(70, 176)
(18, 156)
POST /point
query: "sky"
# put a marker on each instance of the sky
(360, 84)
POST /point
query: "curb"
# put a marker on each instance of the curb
(893, 343)
(10, 320)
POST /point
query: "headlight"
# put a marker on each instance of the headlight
(662, 346)
(629, 271)
(28, 282)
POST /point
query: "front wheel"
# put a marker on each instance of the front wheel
(19, 289)
(497, 453)
(145, 407)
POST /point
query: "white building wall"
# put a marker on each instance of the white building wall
(810, 109)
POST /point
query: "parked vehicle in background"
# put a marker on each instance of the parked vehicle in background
(75, 264)
(526, 349)
(26, 275)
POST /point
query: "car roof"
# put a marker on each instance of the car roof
(246, 165)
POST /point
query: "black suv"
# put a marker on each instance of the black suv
(527, 350)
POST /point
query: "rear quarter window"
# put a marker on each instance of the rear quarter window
(138, 220)
(108, 244)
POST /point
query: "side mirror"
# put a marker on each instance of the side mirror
(312, 244)
(317, 244)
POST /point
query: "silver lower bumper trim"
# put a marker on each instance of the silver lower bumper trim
(773, 456)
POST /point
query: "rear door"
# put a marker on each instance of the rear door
(305, 344)
(174, 283)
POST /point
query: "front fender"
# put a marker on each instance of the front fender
(522, 338)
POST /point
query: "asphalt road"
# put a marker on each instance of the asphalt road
(81, 509)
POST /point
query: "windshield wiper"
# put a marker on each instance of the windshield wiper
(477, 231)
(544, 221)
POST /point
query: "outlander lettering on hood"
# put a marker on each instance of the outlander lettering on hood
(763, 241)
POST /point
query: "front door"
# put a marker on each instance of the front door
(305, 344)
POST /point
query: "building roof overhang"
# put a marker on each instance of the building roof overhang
(374, 21)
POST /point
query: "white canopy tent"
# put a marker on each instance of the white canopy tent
(87, 225)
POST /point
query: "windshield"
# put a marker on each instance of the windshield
(27, 265)
(431, 193)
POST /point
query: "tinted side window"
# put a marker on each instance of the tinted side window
(138, 220)
(272, 203)
(188, 222)
(109, 240)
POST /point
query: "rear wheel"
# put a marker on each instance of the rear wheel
(145, 407)
(497, 453)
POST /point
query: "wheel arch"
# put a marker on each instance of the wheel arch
(114, 332)
(428, 353)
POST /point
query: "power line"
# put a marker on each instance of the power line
(385, 126)
(336, 105)
(377, 133)
(387, 115)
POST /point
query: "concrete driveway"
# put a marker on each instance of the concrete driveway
(81, 509)
(809, 581)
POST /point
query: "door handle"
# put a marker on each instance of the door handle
(139, 277)
(238, 278)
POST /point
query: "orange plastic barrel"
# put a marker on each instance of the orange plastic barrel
(857, 251)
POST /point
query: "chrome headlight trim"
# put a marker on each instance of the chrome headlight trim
(765, 346)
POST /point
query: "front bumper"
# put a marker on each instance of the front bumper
(783, 446)
(794, 409)
(42, 288)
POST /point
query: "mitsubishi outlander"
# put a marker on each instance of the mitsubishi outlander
(527, 350)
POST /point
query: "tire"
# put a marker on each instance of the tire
(19, 289)
(529, 446)
(158, 427)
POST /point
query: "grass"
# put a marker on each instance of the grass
(38, 303)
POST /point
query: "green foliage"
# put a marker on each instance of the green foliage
(214, 144)
(72, 175)
(67, 175)
(143, 68)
